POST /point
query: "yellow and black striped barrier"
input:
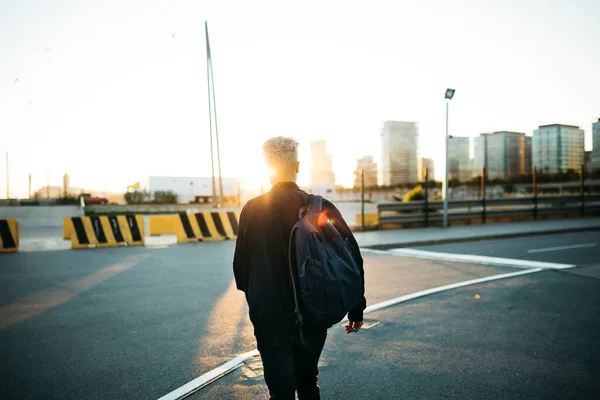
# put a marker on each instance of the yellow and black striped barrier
(163, 225)
(67, 228)
(207, 226)
(105, 231)
(9, 235)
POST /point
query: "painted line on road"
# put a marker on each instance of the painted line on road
(427, 292)
(375, 251)
(474, 259)
(47, 299)
(209, 377)
(573, 246)
(219, 372)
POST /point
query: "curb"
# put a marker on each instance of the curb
(478, 239)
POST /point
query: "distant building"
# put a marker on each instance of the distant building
(526, 155)
(321, 189)
(66, 185)
(399, 149)
(429, 164)
(367, 165)
(48, 192)
(596, 145)
(558, 148)
(459, 159)
(505, 154)
(587, 162)
(188, 189)
(322, 169)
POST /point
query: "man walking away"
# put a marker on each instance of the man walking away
(261, 269)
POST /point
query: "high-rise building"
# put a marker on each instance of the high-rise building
(426, 163)
(587, 162)
(596, 145)
(526, 156)
(558, 148)
(459, 162)
(367, 165)
(399, 149)
(505, 154)
(322, 170)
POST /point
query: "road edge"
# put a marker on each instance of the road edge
(479, 238)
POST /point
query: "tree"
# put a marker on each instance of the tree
(136, 197)
(165, 197)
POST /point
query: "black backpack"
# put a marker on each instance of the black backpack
(328, 279)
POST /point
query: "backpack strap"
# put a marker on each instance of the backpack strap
(297, 311)
(315, 203)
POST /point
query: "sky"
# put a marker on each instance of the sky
(113, 91)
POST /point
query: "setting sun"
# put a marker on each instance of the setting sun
(255, 176)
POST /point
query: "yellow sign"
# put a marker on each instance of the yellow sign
(136, 185)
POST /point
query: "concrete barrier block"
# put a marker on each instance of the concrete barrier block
(162, 225)
(207, 226)
(67, 228)
(9, 235)
(106, 231)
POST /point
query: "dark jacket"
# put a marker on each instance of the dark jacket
(261, 265)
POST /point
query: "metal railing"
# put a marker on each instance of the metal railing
(430, 212)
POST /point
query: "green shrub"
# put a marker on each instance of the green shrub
(136, 197)
(166, 197)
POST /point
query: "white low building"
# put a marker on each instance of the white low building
(326, 190)
(188, 188)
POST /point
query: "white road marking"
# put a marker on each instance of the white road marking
(422, 293)
(230, 366)
(208, 377)
(573, 246)
(469, 258)
(384, 252)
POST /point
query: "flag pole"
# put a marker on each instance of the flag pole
(212, 158)
(214, 105)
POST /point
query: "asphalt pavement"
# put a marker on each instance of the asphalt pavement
(532, 337)
(137, 323)
(567, 248)
(389, 239)
(122, 323)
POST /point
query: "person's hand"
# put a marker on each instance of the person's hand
(353, 326)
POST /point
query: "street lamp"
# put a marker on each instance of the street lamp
(448, 97)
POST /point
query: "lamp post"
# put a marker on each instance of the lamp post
(448, 97)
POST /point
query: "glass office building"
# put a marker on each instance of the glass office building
(596, 145)
(399, 149)
(459, 160)
(505, 154)
(558, 148)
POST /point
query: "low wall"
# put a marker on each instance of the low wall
(146, 208)
(40, 216)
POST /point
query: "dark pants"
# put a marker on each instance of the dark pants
(290, 366)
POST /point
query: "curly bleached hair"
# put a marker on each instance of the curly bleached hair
(281, 151)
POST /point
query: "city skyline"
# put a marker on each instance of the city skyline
(519, 160)
(109, 93)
